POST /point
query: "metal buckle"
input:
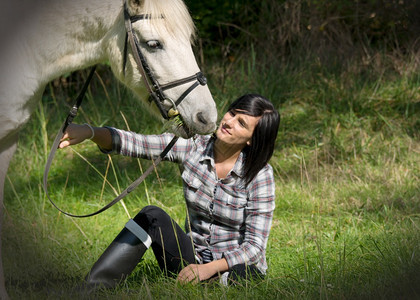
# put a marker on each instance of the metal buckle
(173, 111)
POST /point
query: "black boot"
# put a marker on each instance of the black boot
(118, 260)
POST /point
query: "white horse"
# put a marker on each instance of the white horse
(41, 40)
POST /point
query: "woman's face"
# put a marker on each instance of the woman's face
(236, 128)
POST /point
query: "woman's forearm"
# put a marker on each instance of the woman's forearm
(102, 137)
(76, 134)
(218, 266)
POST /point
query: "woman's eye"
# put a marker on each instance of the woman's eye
(154, 45)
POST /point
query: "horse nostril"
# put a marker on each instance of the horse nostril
(201, 118)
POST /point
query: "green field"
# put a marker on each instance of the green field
(347, 167)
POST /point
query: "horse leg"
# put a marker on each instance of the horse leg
(7, 150)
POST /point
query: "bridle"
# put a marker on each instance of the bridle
(156, 90)
(157, 95)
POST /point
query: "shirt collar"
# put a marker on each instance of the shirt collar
(208, 156)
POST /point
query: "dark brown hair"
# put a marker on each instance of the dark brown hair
(259, 152)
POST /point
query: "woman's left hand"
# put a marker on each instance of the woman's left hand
(195, 273)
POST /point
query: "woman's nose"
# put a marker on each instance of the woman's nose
(229, 121)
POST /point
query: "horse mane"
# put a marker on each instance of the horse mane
(178, 21)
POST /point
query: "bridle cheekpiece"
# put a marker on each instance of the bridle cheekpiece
(156, 90)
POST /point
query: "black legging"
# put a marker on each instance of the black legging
(173, 248)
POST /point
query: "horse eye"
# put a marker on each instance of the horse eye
(154, 45)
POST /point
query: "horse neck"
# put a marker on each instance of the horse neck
(73, 34)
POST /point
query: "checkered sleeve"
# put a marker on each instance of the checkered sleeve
(133, 144)
(258, 220)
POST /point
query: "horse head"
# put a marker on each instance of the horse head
(162, 34)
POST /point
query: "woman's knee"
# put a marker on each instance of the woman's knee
(149, 210)
(149, 215)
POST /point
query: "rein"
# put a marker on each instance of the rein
(156, 94)
(71, 115)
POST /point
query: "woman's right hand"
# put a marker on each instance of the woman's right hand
(74, 135)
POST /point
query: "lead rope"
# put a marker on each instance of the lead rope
(72, 114)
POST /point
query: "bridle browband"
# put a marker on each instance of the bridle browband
(156, 94)
(156, 90)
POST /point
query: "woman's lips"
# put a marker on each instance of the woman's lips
(224, 130)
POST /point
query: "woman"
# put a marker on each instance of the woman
(229, 190)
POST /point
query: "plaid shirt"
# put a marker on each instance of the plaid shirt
(230, 220)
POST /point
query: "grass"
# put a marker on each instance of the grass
(347, 166)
